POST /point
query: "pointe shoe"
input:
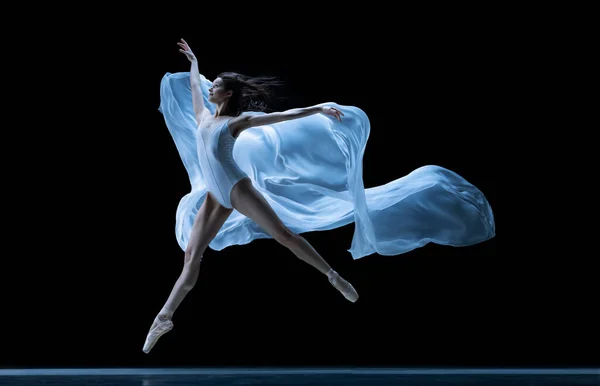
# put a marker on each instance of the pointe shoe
(158, 329)
(343, 286)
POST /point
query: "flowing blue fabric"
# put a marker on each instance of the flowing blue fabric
(310, 171)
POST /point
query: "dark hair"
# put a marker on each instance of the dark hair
(249, 93)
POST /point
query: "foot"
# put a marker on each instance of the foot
(162, 324)
(343, 286)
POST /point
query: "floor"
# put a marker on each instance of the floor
(309, 377)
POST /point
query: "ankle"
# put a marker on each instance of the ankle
(165, 315)
(331, 273)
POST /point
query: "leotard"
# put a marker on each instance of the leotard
(215, 153)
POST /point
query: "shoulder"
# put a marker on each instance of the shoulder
(206, 114)
(238, 124)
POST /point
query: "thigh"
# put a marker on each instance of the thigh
(251, 203)
(210, 218)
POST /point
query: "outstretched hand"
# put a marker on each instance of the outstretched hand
(186, 50)
(332, 111)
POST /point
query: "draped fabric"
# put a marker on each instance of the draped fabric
(310, 171)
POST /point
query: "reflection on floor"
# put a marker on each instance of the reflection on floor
(295, 376)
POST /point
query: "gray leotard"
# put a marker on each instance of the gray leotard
(215, 152)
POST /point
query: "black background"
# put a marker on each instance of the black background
(106, 257)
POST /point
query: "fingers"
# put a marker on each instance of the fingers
(186, 45)
(336, 113)
(183, 44)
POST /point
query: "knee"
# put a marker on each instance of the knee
(193, 256)
(286, 237)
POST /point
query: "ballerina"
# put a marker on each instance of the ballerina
(229, 188)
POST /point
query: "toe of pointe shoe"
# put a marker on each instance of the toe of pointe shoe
(351, 295)
(155, 334)
(344, 287)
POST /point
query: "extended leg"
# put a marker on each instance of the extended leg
(249, 202)
(207, 223)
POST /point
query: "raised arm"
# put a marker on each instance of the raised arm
(197, 100)
(243, 122)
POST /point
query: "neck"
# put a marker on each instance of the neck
(221, 109)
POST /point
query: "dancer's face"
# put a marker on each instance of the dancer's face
(217, 93)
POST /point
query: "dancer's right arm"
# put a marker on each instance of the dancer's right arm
(197, 100)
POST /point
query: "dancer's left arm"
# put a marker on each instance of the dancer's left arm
(244, 122)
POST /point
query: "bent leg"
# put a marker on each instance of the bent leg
(208, 221)
(249, 202)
